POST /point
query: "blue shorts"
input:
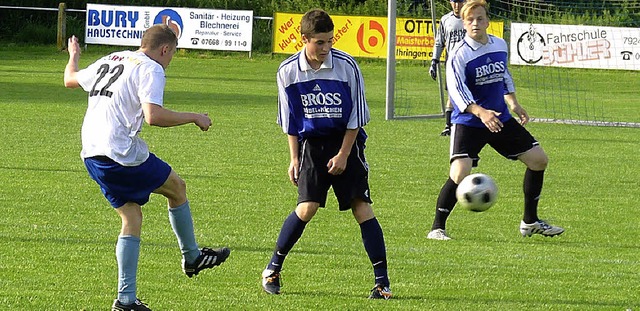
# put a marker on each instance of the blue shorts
(122, 184)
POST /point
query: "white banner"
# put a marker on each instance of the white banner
(575, 46)
(195, 28)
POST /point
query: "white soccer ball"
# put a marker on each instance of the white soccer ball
(477, 192)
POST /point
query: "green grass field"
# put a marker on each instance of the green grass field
(57, 232)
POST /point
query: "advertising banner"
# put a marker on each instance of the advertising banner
(366, 36)
(195, 28)
(575, 46)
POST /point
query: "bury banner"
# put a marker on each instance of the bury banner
(366, 36)
(196, 28)
(575, 46)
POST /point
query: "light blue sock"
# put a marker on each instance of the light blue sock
(182, 224)
(127, 253)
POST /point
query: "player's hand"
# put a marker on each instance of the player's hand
(490, 120)
(522, 114)
(337, 164)
(294, 172)
(203, 121)
(73, 47)
(433, 70)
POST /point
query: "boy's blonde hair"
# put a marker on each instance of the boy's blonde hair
(472, 4)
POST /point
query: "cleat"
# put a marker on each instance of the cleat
(380, 292)
(438, 234)
(208, 258)
(446, 131)
(271, 281)
(539, 227)
(135, 306)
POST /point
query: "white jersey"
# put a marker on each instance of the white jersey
(118, 84)
(321, 102)
(450, 32)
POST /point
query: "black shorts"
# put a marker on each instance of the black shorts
(511, 142)
(314, 179)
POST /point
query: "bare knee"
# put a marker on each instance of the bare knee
(131, 216)
(535, 159)
(361, 210)
(306, 210)
(174, 189)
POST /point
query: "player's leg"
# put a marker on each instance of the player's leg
(313, 185)
(290, 233)
(536, 161)
(128, 252)
(447, 118)
(465, 146)
(516, 143)
(447, 200)
(194, 259)
(373, 240)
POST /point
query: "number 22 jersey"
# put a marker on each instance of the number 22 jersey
(118, 84)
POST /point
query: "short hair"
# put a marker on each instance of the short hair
(158, 35)
(472, 4)
(315, 21)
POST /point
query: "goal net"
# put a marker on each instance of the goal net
(572, 61)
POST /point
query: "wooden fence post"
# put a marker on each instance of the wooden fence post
(62, 26)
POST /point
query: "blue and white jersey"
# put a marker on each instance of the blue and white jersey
(323, 102)
(450, 32)
(477, 73)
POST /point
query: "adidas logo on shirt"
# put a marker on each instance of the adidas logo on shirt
(317, 88)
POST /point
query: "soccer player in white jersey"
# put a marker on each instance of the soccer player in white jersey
(125, 89)
(483, 94)
(322, 109)
(450, 32)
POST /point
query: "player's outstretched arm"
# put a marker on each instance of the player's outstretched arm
(157, 115)
(70, 71)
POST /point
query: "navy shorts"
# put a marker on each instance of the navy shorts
(314, 179)
(121, 184)
(512, 141)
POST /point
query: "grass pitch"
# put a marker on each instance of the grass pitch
(57, 233)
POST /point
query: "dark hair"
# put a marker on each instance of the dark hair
(315, 21)
(158, 35)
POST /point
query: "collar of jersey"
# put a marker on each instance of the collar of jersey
(475, 44)
(304, 65)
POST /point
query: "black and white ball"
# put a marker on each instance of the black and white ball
(477, 192)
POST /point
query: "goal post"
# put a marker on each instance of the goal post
(410, 92)
(550, 92)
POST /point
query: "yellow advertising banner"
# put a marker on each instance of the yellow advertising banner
(366, 36)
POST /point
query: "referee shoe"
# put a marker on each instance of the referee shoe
(208, 258)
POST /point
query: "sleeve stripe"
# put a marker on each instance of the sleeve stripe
(361, 103)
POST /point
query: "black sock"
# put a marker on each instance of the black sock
(447, 117)
(532, 186)
(373, 241)
(446, 202)
(291, 231)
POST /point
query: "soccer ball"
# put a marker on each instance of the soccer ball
(477, 192)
